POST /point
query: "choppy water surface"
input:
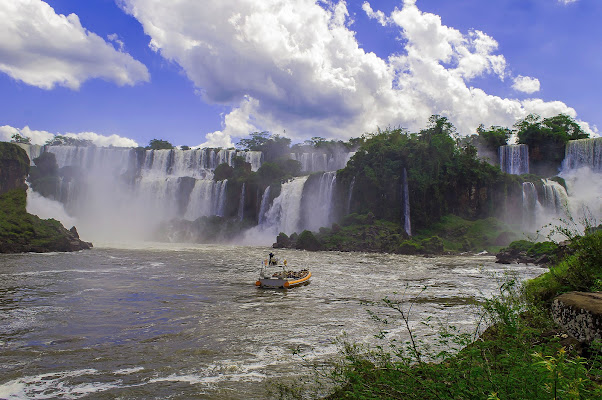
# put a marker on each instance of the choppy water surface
(188, 322)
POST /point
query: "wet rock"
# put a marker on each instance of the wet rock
(579, 314)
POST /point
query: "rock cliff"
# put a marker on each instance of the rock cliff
(19, 230)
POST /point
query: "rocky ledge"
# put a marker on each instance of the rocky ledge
(579, 314)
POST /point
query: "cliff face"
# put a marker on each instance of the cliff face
(20, 231)
(14, 167)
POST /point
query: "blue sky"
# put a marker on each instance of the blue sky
(210, 72)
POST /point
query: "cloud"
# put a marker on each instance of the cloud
(41, 137)
(377, 15)
(526, 84)
(45, 49)
(567, 1)
(296, 65)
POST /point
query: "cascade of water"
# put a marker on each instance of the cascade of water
(221, 198)
(584, 153)
(317, 161)
(350, 194)
(207, 198)
(319, 201)
(263, 208)
(32, 150)
(284, 214)
(530, 203)
(241, 204)
(407, 225)
(514, 159)
(555, 197)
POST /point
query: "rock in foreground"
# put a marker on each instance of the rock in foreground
(579, 314)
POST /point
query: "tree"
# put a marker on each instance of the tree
(60, 140)
(546, 139)
(494, 137)
(255, 142)
(272, 146)
(158, 144)
(223, 171)
(18, 138)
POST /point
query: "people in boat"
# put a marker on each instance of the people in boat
(273, 259)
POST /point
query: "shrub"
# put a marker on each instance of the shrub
(307, 241)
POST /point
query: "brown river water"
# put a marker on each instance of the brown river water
(164, 321)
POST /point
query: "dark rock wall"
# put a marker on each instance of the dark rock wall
(14, 167)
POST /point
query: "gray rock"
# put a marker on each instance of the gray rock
(579, 314)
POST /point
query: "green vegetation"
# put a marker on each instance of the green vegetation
(494, 137)
(579, 270)
(60, 140)
(158, 144)
(273, 146)
(451, 234)
(522, 355)
(18, 138)
(23, 232)
(547, 138)
(443, 178)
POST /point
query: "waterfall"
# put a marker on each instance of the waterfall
(263, 208)
(32, 150)
(514, 159)
(284, 214)
(350, 194)
(317, 202)
(318, 161)
(555, 197)
(128, 192)
(530, 204)
(241, 204)
(584, 153)
(407, 225)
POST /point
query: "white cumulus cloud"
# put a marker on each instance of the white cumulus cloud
(45, 49)
(296, 65)
(41, 137)
(526, 84)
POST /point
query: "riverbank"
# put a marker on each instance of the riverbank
(522, 355)
(365, 233)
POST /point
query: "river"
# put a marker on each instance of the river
(175, 321)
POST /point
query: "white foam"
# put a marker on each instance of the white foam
(128, 371)
(54, 385)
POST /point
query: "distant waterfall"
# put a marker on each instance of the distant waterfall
(555, 197)
(317, 202)
(241, 204)
(207, 198)
(584, 153)
(265, 203)
(514, 159)
(407, 225)
(318, 161)
(284, 214)
(350, 194)
(530, 203)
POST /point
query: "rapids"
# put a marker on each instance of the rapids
(165, 321)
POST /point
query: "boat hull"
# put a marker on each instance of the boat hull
(276, 283)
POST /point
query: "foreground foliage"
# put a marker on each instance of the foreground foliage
(522, 355)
